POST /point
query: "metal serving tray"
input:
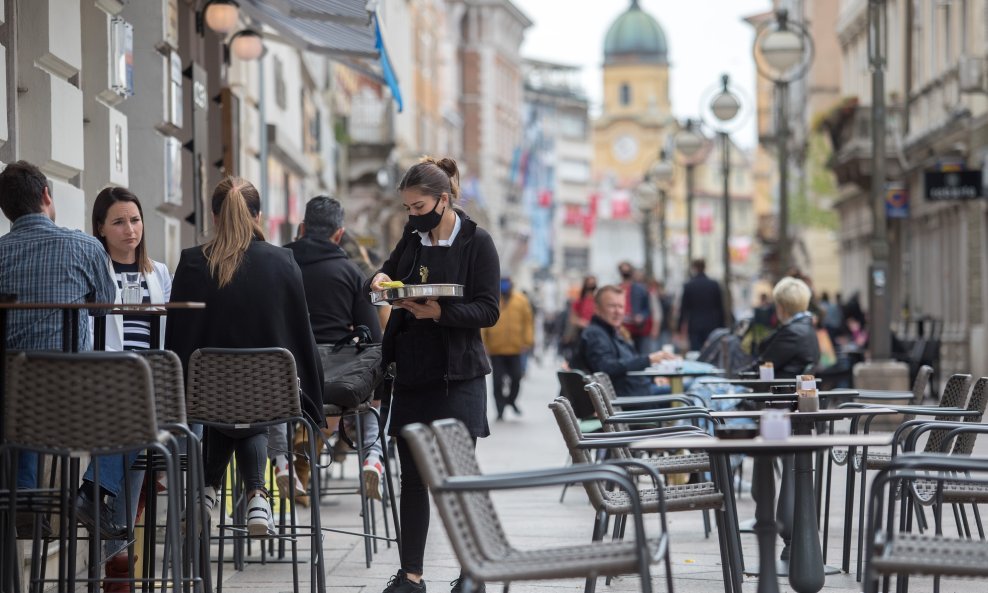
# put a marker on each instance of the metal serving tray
(416, 291)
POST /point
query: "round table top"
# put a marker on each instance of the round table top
(147, 307)
(759, 445)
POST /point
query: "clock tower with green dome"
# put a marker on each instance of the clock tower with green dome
(636, 114)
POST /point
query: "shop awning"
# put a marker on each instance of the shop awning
(343, 28)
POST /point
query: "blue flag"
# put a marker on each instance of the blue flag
(389, 73)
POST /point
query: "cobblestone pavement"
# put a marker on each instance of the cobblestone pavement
(535, 518)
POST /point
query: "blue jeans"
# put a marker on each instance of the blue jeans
(27, 470)
(111, 480)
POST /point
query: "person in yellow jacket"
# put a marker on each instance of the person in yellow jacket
(506, 343)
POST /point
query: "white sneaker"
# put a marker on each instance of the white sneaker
(207, 499)
(260, 520)
(372, 474)
(281, 478)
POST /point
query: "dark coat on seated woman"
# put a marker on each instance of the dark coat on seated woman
(263, 307)
(793, 349)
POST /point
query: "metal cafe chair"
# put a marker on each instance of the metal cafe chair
(248, 388)
(445, 453)
(65, 405)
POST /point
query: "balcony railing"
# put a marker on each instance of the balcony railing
(371, 122)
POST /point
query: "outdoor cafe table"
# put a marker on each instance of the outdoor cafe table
(675, 376)
(806, 574)
(70, 325)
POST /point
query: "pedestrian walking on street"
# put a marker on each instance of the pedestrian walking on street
(637, 308)
(507, 342)
(440, 362)
(701, 310)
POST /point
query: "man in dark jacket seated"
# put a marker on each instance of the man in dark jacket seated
(605, 347)
(793, 348)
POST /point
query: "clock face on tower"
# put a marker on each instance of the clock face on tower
(625, 148)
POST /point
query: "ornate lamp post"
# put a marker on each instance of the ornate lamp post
(647, 198)
(783, 52)
(688, 142)
(724, 106)
(661, 174)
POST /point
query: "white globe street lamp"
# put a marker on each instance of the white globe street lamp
(783, 53)
(725, 106)
(221, 16)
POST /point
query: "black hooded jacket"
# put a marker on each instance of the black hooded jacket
(472, 262)
(333, 290)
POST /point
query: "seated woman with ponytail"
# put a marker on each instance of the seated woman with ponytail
(254, 299)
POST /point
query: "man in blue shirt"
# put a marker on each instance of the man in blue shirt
(44, 263)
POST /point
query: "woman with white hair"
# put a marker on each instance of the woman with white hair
(793, 349)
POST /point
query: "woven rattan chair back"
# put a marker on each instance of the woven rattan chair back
(242, 386)
(571, 387)
(596, 392)
(604, 380)
(954, 396)
(97, 402)
(457, 449)
(569, 426)
(979, 398)
(921, 383)
(169, 385)
(432, 467)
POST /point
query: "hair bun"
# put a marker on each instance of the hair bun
(446, 164)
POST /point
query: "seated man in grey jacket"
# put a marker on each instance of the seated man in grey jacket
(606, 347)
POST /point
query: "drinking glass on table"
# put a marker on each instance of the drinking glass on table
(130, 294)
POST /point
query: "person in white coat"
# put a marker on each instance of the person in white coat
(118, 223)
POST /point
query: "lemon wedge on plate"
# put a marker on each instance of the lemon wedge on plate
(392, 284)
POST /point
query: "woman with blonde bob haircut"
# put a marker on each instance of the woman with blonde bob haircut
(793, 349)
(254, 299)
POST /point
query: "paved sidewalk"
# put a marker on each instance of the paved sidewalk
(535, 518)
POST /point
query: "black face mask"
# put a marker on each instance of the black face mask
(424, 223)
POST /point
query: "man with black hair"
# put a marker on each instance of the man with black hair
(44, 263)
(337, 303)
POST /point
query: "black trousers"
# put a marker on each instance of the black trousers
(507, 369)
(251, 445)
(414, 511)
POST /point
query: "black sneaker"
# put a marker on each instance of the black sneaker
(400, 584)
(84, 514)
(24, 524)
(457, 586)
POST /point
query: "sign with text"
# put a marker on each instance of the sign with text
(953, 185)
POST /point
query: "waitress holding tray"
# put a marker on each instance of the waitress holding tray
(440, 362)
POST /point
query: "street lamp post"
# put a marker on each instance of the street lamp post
(647, 196)
(661, 174)
(783, 52)
(878, 296)
(725, 106)
(688, 143)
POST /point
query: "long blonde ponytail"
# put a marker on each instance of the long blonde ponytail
(235, 204)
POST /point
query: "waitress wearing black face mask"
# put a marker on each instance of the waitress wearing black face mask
(440, 362)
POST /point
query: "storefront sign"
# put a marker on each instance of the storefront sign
(953, 185)
(896, 202)
(122, 56)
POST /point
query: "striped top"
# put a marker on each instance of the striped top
(136, 328)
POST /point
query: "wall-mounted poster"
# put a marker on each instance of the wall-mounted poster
(173, 170)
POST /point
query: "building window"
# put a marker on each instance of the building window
(625, 94)
(280, 92)
(576, 258)
(574, 171)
